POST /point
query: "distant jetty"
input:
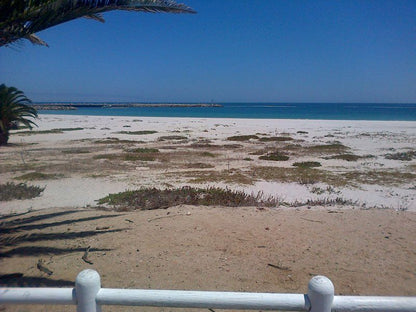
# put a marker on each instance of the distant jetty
(74, 106)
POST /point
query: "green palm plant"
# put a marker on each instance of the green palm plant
(21, 19)
(15, 109)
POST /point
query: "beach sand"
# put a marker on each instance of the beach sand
(351, 219)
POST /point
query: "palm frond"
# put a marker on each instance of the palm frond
(22, 18)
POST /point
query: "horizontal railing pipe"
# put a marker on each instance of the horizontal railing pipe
(373, 304)
(201, 299)
(37, 295)
(88, 296)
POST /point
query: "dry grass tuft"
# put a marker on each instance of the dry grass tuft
(242, 138)
(33, 176)
(307, 164)
(275, 156)
(10, 191)
(153, 198)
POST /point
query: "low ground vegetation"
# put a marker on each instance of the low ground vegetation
(10, 191)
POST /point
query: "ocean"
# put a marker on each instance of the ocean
(326, 111)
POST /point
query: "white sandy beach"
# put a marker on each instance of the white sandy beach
(341, 232)
(80, 188)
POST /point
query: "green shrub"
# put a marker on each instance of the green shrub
(144, 150)
(31, 176)
(153, 198)
(141, 132)
(172, 137)
(10, 191)
(275, 139)
(275, 156)
(347, 157)
(307, 164)
(404, 156)
(198, 166)
(76, 151)
(242, 137)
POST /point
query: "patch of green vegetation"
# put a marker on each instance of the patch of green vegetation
(242, 138)
(208, 154)
(227, 176)
(141, 132)
(307, 164)
(380, 177)
(153, 198)
(127, 156)
(404, 156)
(323, 202)
(302, 132)
(230, 146)
(33, 176)
(352, 178)
(202, 144)
(276, 139)
(275, 156)
(111, 140)
(298, 175)
(33, 132)
(69, 129)
(347, 157)
(259, 152)
(328, 148)
(172, 137)
(138, 156)
(107, 156)
(248, 159)
(52, 131)
(76, 151)
(199, 165)
(10, 191)
(144, 150)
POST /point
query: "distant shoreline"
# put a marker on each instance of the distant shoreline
(74, 106)
(323, 111)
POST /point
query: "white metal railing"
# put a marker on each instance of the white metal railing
(88, 296)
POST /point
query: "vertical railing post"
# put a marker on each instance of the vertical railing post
(87, 285)
(320, 294)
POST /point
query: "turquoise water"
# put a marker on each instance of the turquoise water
(328, 111)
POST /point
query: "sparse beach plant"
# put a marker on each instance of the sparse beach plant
(241, 138)
(76, 151)
(403, 156)
(307, 164)
(153, 198)
(10, 191)
(143, 150)
(172, 137)
(275, 139)
(33, 176)
(275, 156)
(140, 132)
(199, 165)
(335, 147)
(208, 154)
(347, 157)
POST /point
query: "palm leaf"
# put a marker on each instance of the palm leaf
(22, 18)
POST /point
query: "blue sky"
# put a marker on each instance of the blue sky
(231, 51)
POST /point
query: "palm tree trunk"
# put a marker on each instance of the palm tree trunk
(4, 138)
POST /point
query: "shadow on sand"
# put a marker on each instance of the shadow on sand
(20, 235)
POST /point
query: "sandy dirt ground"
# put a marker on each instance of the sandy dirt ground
(364, 252)
(351, 219)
